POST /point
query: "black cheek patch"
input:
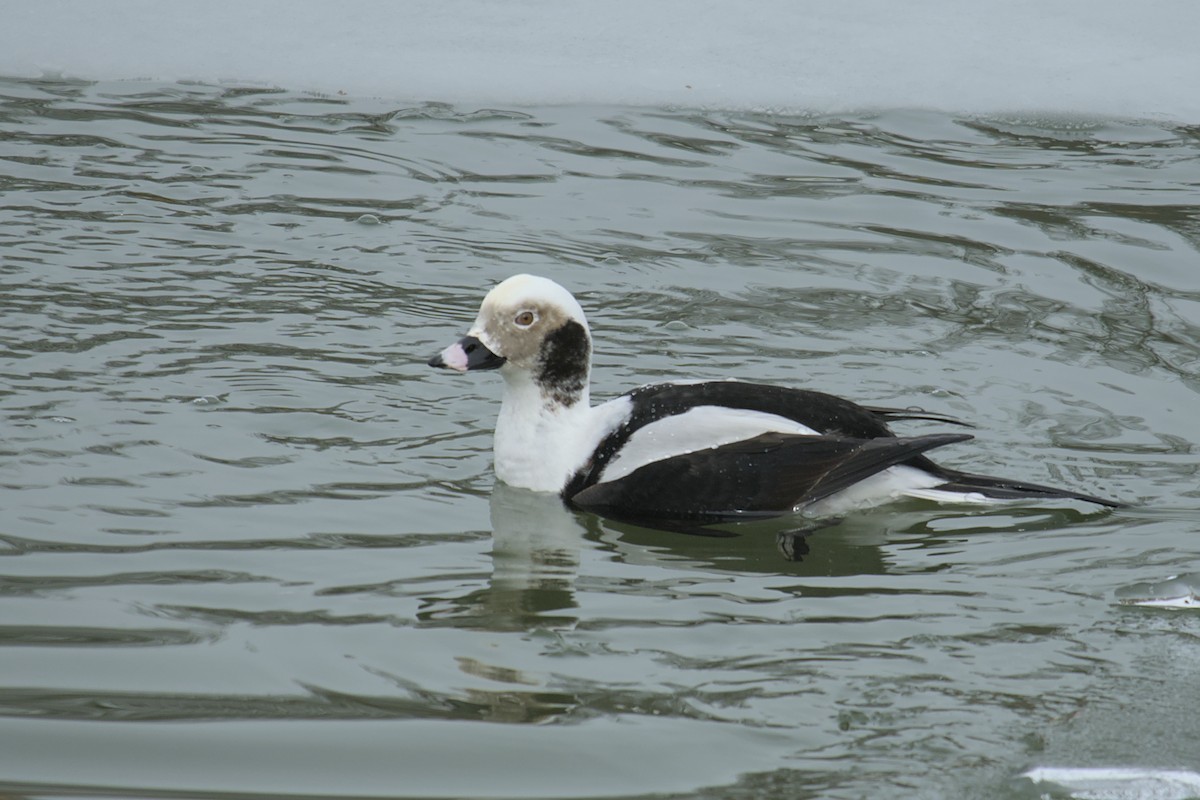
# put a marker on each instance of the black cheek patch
(564, 362)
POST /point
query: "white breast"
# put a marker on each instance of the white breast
(699, 428)
(540, 445)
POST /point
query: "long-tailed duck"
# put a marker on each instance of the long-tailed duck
(707, 451)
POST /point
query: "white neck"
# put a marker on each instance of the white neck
(540, 443)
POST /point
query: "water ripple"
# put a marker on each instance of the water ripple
(232, 491)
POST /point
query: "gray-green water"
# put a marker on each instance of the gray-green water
(252, 545)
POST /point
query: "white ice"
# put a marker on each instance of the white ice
(1120, 783)
(1091, 57)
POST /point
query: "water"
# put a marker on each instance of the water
(252, 544)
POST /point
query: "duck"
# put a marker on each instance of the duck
(704, 451)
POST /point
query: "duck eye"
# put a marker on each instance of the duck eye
(525, 319)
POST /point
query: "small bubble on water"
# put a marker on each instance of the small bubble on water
(676, 325)
(62, 419)
(368, 219)
(206, 400)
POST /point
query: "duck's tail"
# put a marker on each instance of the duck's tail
(1005, 489)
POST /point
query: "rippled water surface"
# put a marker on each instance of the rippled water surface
(252, 545)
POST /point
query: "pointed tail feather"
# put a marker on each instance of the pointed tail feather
(903, 414)
(1005, 489)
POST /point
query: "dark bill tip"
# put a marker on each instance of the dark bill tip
(466, 354)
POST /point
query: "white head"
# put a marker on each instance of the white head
(531, 329)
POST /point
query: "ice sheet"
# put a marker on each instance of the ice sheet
(1092, 57)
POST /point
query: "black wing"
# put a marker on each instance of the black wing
(768, 475)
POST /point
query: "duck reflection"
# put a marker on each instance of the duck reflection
(545, 556)
(536, 545)
(540, 546)
(538, 542)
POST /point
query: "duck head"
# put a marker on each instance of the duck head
(531, 329)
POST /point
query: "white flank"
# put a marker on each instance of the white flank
(703, 427)
(890, 484)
